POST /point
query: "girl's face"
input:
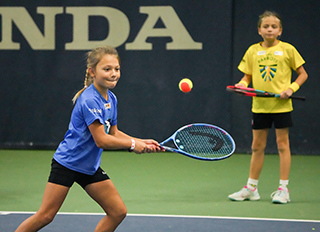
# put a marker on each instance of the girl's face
(107, 72)
(270, 29)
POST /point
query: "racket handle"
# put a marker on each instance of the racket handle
(301, 98)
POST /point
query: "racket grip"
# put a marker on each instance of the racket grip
(167, 148)
(301, 98)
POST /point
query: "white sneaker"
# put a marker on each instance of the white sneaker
(245, 194)
(280, 196)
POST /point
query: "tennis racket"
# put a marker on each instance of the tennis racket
(251, 92)
(201, 141)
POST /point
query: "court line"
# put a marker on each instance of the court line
(172, 216)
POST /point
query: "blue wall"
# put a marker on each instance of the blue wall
(204, 42)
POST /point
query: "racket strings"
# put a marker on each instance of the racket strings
(204, 141)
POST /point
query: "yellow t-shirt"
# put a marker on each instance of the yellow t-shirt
(271, 70)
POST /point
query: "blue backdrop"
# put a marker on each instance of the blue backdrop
(43, 48)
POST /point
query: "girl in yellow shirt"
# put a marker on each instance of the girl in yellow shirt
(268, 65)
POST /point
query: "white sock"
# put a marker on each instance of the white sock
(252, 184)
(283, 184)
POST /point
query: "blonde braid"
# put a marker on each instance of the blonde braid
(87, 82)
(89, 79)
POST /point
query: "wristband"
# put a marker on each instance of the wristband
(244, 82)
(133, 145)
(294, 86)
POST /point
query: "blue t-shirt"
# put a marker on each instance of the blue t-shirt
(78, 150)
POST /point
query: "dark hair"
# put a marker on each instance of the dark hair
(268, 14)
(93, 58)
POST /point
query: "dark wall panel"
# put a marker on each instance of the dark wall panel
(37, 85)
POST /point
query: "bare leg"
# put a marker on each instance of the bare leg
(259, 143)
(53, 198)
(284, 152)
(107, 196)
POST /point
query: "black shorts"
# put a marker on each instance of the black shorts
(265, 121)
(66, 177)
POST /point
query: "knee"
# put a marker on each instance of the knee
(283, 145)
(122, 213)
(258, 147)
(45, 218)
(118, 215)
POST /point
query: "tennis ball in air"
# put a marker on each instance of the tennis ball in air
(185, 85)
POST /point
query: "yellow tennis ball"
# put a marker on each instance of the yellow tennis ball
(185, 85)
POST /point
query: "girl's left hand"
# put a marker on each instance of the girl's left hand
(286, 94)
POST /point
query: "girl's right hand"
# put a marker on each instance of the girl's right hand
(239, 85)
(143, 147)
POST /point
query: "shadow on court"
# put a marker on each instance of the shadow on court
(161, 223)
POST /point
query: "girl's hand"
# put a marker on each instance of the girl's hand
(286, 94)
(147, 145)
(240, 85)
(152, 145)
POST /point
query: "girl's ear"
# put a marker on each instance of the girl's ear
(259, 31)
(91, 71)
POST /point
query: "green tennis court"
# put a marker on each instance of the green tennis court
(168, 184)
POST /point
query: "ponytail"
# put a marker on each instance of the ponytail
(87, 82)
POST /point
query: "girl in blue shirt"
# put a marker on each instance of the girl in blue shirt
(92, 128)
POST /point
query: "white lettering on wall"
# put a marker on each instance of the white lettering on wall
(174, 28)
(22, 19)
(119, 27)
(118, 33)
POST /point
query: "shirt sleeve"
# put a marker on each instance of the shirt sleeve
(114, 116)
(296, 60)
(245, 65)
(91, 112)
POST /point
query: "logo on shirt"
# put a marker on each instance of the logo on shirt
(107, 106)
(268, 71)
(96, 111)
(278, 53)
(107, 126)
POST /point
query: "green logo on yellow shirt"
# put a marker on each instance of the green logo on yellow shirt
(268, 71)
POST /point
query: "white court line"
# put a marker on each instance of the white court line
(173, 216)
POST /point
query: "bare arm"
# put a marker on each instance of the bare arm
(245, 79)
(116, 139)
(302, 77)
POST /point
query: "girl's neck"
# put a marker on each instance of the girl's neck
(268, 44)
(102, 91)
